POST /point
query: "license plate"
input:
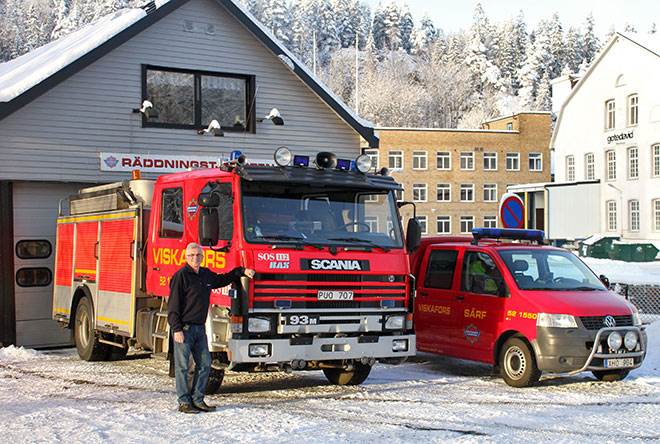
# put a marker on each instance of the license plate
(301, 320)
(620, 362)
(335, 295)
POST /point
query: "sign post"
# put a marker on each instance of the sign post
(512, 211)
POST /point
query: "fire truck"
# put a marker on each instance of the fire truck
(332, 290)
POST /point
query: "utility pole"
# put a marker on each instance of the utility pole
(357, 73)
(314, 51)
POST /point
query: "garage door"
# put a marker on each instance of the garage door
(35, 211)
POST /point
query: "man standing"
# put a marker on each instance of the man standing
(188, 305)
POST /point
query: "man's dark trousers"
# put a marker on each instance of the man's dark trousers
(194, 344)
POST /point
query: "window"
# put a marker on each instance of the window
(633, 215)
(509, 126)
(398, 194)
(443, 224)
(440, 271)
(33, 249)
(656, 160)
(589, 166)
(611, 215)
(570, 168)
(171, 225)
(419, 192)
(633, 110)
(611, 164)
(443, 192)
(490, 192)
(192, 99)
(513, 161)
(467, 161)
(423, 224)
(490, 161)
(372, 222)
(535, 162)
(467, 224)
(419, 160)
(656, 214)
(480, 275)
(443, 160)
(467, 192)
(610, 114)
(633, 163)
(373, 155)
(395, 160)
(34, 277)
(490, 221)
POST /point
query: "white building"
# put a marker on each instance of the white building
(608, 129)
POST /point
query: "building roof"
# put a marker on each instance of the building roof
(454, 130)
(495, 119)
(29, 76)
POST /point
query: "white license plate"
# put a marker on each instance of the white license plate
(335, 295)
(619, 363)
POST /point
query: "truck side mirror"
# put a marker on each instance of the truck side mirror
(413, 235)
(208, 226)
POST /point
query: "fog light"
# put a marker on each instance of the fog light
(258, 350)
(395, 323)
(258, 325)
(363, 163)
(630, 340)
(283, 156)
(400, 345)
(614, 341)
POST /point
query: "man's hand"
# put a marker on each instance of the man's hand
(248, 272)
(178, 337)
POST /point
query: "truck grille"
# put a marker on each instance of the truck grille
(596, 322)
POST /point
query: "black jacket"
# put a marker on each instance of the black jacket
(190, 294)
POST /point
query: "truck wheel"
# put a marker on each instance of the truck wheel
(339, 376)
(611, 375)
(87, 343)
(116, 353)
(517, 364)
(216, 376)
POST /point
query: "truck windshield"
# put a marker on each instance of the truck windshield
(554, 270)
(300, 214)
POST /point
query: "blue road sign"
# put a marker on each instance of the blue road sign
(512, 212)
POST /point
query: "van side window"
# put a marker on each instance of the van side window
(481, 275)
(171, 220)
(440, 271)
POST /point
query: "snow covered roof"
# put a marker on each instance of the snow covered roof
(27, 77)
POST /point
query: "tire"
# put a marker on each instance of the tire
(339, 376)
(611, 375)
(216, 376)
(87, 343)
(116, 353)
(517, 364)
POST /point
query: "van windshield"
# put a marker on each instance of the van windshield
(314, 215)
(553, 270)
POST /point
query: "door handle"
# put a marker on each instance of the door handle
(460, 297)
(422, 293)
(96, 250)
(156, 268)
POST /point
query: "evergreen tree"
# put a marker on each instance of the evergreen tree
(378, 28)
(392, 22)
(406, 28)
(590, 43)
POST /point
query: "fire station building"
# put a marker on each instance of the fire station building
(170, 86)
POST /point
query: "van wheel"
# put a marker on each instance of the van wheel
(87, 343)
(340, 376)
(517, 364)
(611, 375)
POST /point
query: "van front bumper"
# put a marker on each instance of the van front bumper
(573, 350)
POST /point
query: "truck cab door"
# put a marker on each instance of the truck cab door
(434, 318)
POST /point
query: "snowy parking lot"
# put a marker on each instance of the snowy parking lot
(53, 396)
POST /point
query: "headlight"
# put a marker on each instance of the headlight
(400, 345)
(614, 341)
(555, 320)
(283, 156)
(630, 340)
(636, 319)
(395, 322)
(363, 163)
(258, 325)
(259, 350)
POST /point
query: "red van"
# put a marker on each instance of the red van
(524, 307)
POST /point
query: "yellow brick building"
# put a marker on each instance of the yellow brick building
(457, 177)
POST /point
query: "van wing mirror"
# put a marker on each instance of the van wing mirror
(605, 281)
(413, 235)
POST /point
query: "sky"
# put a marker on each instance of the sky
(456, 14)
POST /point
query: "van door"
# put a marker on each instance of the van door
(480, 305)
(435, 320)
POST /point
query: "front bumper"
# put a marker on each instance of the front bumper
(284, 351)
(573, 350)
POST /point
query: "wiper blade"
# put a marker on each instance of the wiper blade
(357, 239)
(584, 288)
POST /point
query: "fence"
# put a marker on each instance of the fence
(645, 297)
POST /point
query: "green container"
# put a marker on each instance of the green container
(599, 249)
(633, 252)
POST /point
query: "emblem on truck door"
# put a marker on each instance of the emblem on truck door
(609, 321)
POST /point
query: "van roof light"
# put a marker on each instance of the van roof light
(507, 233)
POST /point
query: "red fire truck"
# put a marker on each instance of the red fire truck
(527, 308)
(332, 289)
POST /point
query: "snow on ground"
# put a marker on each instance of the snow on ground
(626, 272)
(56, 397)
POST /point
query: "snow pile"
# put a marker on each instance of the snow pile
(18, 354)
(649, 372)
(28, 70)
(643, 273)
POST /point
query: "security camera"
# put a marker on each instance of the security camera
(212, 130)
(147, 110)
(275, 117)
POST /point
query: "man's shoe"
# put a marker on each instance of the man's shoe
(204, 407)
(187, 408)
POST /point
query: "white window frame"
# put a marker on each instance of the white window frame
(425, 224)
(570, 168)
(655, 154)
(394, 155)
(490, 222)
(513, 156)
(611, 217)
(610, 165)
(488, 158)
(610, 114)
(632, 153)
(655, 205)
(633, 215)
(469, 158)
(420, 157)
(445, 186)
(468, 187)
(536, 158)
(466, 219)
(444, 155)
(633, 110)
(590, 166)
(417, 188)
(446, 219)
(373, 155)
(492, 189)
(402, 197)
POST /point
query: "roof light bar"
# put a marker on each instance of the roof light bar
(343, 164)
(508, 233)
(301, 161)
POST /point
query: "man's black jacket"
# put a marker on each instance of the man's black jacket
(190, 294)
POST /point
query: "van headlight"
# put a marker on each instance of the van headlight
(395, 322)
(258, 325)
(556, 320)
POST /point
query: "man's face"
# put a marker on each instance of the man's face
(194, 258)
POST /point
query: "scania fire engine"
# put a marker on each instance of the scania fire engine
(332, 289)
